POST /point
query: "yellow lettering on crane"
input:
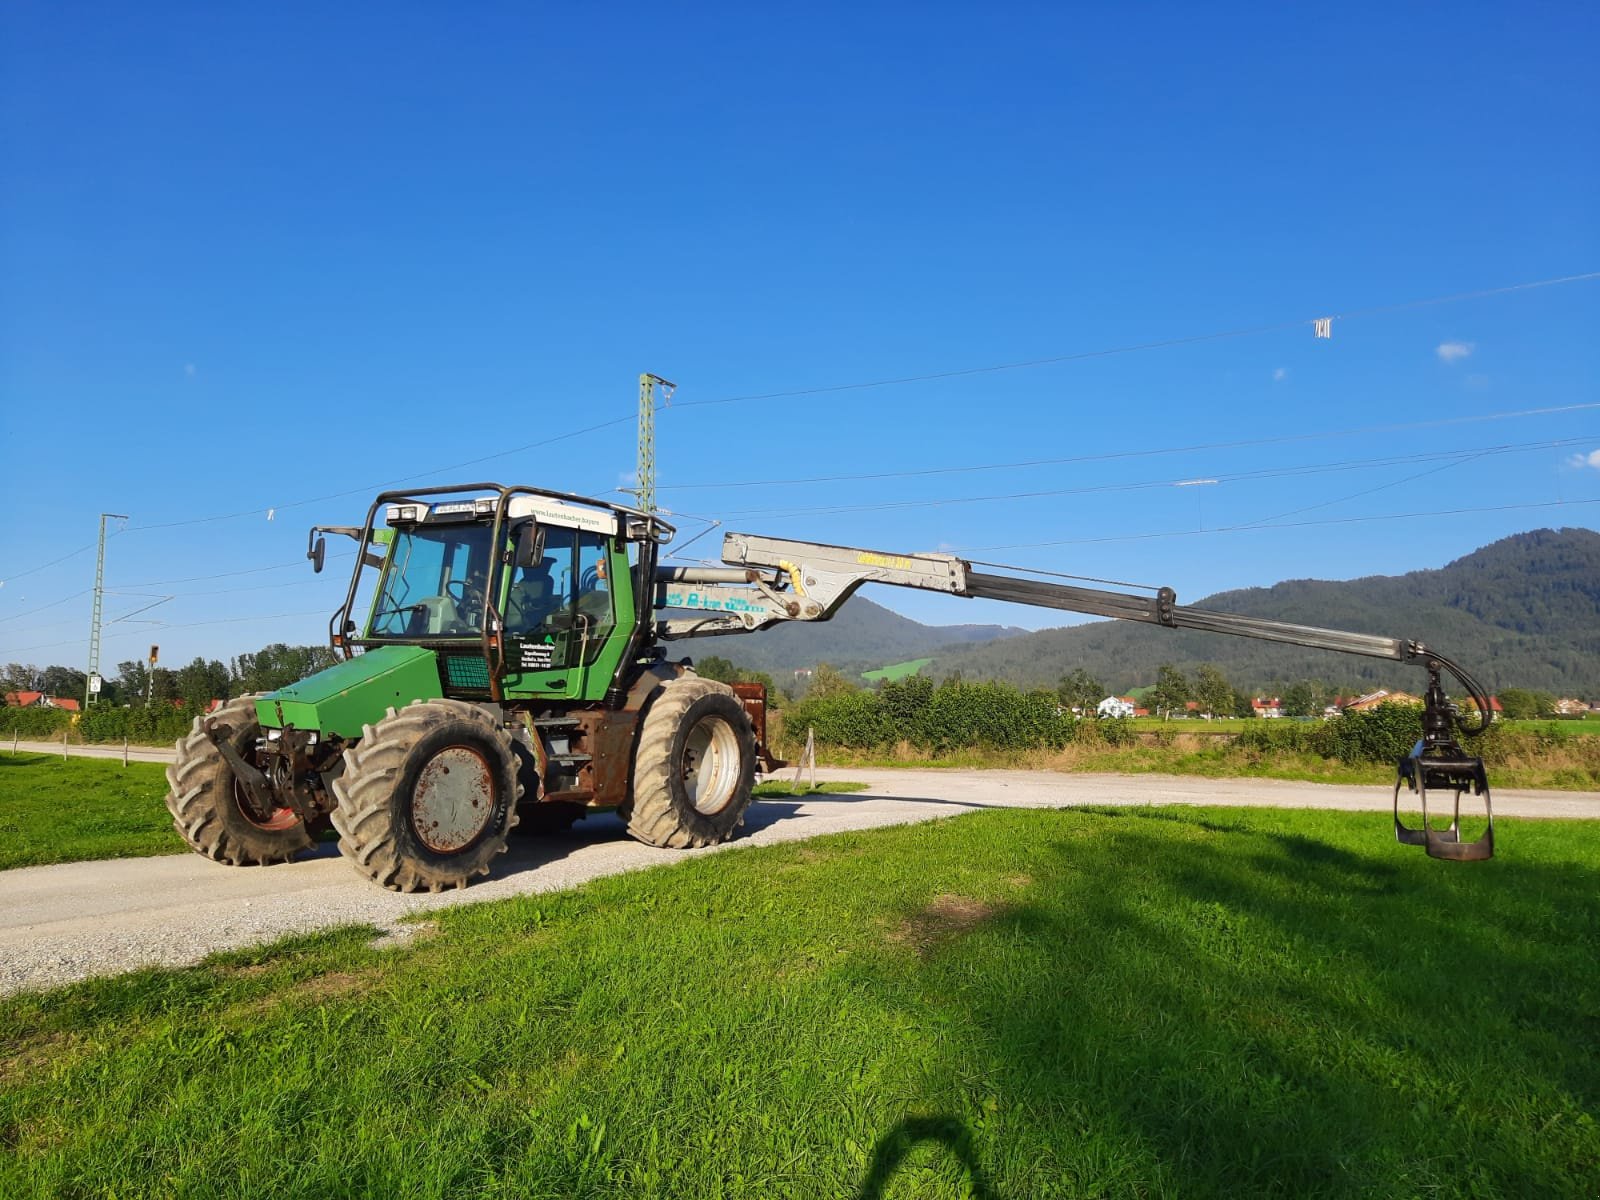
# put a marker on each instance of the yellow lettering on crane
(868, 559)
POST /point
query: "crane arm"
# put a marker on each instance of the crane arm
(773, 580)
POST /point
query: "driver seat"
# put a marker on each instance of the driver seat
(443, 616)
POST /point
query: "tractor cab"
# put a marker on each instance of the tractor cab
(517, 594)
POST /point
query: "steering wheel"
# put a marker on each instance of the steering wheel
(470, 594)
(590, 580)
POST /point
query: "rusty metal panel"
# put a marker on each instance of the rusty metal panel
(608, 740)
(753, 696)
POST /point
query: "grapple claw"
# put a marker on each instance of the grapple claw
(1462, 776)
(1438, 763)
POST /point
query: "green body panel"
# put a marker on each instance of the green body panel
(354, 693)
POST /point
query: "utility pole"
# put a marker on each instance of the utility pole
(646, 491)
(92, 686)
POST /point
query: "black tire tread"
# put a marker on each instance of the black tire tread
(200, 782)
(652, 816)
(364, 815)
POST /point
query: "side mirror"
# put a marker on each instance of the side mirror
(530, 545)
(319, 551)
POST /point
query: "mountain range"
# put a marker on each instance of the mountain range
(1521, 612)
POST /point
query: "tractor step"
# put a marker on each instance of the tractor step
(570, 760)
(557, 722)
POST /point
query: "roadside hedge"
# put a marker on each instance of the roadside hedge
(158, 725)
(998, 716)
(36, 723)
(952, 716)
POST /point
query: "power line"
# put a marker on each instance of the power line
(1112, 455)
(369, 489)
(298, 562)
(313, 612)
(877, 383)
(1382, 487)
(1175, 533)
(45, 566)
(131, 589)
(43, 607)
(1135, 347)
(1449, 456)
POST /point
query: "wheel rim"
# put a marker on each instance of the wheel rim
(277, 821)
(710, 768)
(453, 801)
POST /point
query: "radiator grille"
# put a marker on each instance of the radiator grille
(466, 672)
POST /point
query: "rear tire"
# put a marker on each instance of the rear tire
(427, 797)
(694, 766)
(210, 808)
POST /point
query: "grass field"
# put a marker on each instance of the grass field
(895, 672)
(1143, 1002)
(85, 808)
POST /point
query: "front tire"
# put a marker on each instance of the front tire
(211, 809)
(427, 796)
(694, 766)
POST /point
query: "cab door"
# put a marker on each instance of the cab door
(560, 615)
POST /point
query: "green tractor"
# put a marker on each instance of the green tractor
(506, 668)
(510, 667)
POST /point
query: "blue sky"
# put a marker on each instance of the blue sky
(253, 258)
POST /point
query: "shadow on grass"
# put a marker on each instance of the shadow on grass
(895, 1145)
(1237, 1010)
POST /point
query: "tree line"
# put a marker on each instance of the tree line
(194, 686)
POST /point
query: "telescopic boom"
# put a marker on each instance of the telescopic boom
(774, 580)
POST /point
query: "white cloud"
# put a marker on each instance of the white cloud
(1455, 351)
(1591, 459)
(1280, 375)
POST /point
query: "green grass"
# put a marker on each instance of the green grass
(1588, 727)
(1136, 1002)
(85, 808)
(895, 672)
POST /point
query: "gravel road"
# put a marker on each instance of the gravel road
(75, 920)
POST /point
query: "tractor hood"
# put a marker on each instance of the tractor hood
(354, 693)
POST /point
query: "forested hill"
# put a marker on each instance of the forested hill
(861, 636)
(1521, 612)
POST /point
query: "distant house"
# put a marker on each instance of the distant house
(1266, 706)
(1116, 706)
(1572, 707)
(1383, 696)
(40, 700)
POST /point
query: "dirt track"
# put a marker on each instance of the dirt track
(75, 920)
